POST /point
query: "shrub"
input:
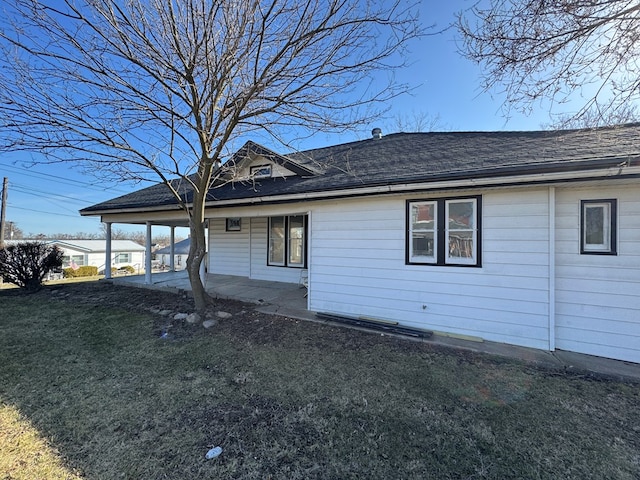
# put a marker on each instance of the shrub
(84, 271)
(127, 269)
(27, 264)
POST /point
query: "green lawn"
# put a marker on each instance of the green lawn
(96, 392)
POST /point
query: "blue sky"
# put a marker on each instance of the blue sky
(46, 198)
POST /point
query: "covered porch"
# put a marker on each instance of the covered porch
(288, 299)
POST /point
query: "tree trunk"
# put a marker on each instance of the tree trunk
(198, 246)
(197, 251)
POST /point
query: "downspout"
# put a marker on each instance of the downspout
(552, 269)
(147, 258)
(309, 250)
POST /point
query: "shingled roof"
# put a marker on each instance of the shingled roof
(408, 158)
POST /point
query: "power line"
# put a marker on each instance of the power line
(32, 191)
(50, 199)
(60, 179)
(41, 211)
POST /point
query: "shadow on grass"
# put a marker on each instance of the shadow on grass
(295, 400)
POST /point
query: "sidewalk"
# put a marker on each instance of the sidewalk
(289, 300)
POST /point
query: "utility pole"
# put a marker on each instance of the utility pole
(3, 210)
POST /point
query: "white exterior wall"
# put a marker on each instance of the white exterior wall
(96, 259)
(598, 296)
(228, 251)
(244, 253)
(358, 268)
(356, 261)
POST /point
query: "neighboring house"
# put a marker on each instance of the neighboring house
(526, 238)
(93, 253)
(180, 254)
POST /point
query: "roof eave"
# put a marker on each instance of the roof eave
(457, 180)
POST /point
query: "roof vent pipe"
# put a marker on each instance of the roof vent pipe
(376, 133)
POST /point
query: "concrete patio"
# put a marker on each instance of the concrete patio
(286, 299)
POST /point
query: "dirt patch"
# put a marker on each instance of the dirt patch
(163, 305)
(245, 322)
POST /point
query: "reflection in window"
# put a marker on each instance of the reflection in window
(444, 231)
(276, 241)
(287, 240)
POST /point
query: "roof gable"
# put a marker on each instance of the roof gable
(253, 154)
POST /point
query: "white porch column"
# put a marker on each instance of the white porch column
(107, 250)
(147, 257)
(172, 250)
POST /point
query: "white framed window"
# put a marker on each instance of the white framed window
(461, 232)
(123, 258)
(422, 232)
(276, 241)
(260, 171)
(295, 250)
(444, 231)
(69, 260)
(598, 233)
(287, 241)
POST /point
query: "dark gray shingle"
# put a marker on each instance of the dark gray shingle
(421, 157)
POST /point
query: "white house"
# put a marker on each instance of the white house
(180, 254)
(526, 238)
(92, 253)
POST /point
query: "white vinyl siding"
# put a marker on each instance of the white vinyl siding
(244, 253)
(228, 251)
(357, 261)
(597, 306)
(358, 268)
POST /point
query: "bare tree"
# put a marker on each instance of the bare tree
(166, 88)
(556, 51)
(417, 122)
(13, 232)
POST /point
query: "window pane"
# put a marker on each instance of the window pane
(461, 245)
(461, 231)
(422, 232)
(461, 215)
(423, 244)
(276, 241)
(597, 224)
(296, 240)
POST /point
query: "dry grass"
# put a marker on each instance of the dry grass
(294, 400)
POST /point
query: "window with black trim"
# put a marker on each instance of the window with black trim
(444, 231)
(598, 235)
(287, 241)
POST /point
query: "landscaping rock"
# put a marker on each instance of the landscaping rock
(180, 316)
(223, 315)
(164, 313)
(209, 323)
(192, 318)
